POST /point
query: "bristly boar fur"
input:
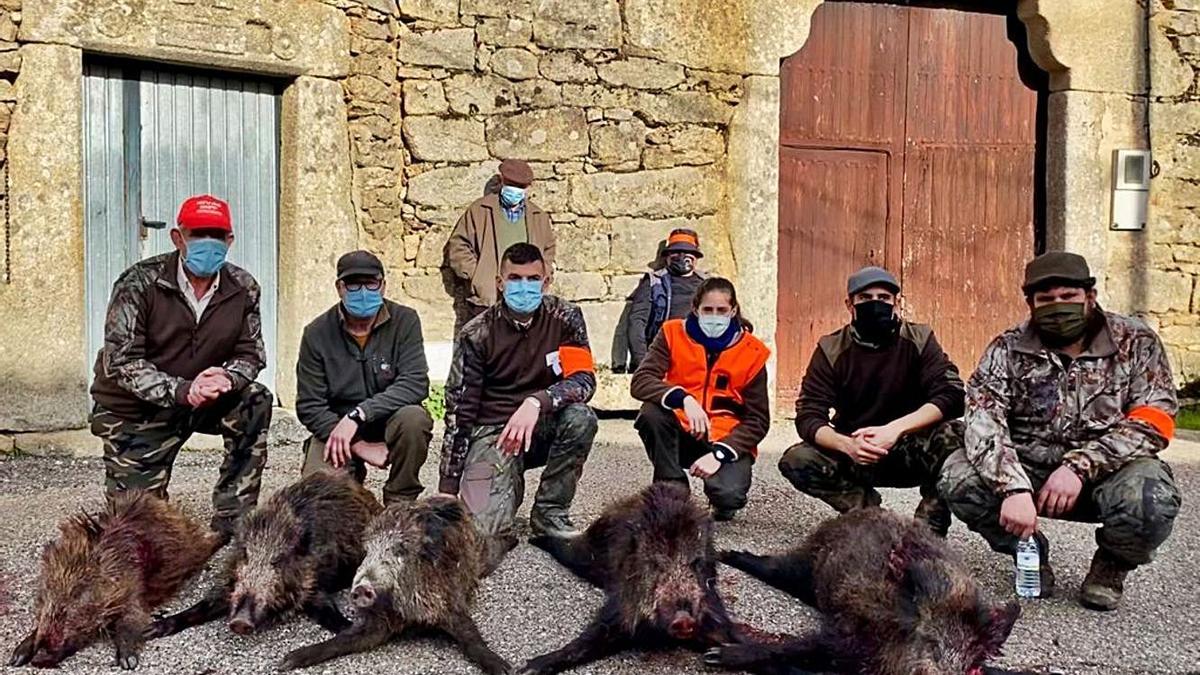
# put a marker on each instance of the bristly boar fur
(895, 599)
(653, 555)
(107, 571)
(291, 553)
(421, 570)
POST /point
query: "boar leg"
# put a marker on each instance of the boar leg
(128, 635)
(790, 655)
(211, 608)
(322, 610)
(462, 628)
(369, 633)
(23, 653)
(791, 574)
(599, 639)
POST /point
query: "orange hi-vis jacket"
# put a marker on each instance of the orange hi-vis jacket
(719, 386)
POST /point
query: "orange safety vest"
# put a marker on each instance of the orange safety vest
(719, 388)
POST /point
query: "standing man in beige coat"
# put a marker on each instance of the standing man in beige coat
(490, 225)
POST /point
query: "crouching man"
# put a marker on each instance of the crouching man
(516, 399)
(182, 347)
(1066, 415)
(360, 381)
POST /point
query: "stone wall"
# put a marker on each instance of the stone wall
(1173, 259)
(10, 65)
(624, 148)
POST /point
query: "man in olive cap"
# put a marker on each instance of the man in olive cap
(666, 293)
(360, 381)
(1066, 415)
(896, 398)
(489, 226)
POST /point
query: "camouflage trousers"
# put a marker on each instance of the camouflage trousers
(406, 433)
(1135, 505)
(493, 484)
(914, 461)
(140, 453)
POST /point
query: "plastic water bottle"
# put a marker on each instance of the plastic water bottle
(1028, 573)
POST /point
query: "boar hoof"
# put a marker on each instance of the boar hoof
(128, 661)
(729, 656)
(23, 654)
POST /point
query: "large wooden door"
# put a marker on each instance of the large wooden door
(908, 140)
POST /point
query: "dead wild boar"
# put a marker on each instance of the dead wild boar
(895, 600)
(291, 553)
(106, 572)
(421, 570)
(652, 553)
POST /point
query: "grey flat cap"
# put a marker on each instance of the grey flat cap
(871, 276)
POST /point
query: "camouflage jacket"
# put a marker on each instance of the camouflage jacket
(154, 346)
(499, 363)
(1030, 406)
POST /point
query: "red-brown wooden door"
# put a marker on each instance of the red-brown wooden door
(908, 140)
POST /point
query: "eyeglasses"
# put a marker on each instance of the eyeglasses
(372, 285)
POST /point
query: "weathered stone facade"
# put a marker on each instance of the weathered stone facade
(637, 115)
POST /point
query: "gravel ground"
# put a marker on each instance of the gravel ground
(530, 605)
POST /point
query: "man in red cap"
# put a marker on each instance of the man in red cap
(489, 226)
(182, 347)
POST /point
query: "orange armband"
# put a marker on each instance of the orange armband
(576, 360)
(1158, 419)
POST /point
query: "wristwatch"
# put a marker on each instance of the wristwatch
(723, 453)
(357, 416)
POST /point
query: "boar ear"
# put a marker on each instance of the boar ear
(303, 542)
(995, 625)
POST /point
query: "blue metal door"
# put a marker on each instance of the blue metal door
(155, 137)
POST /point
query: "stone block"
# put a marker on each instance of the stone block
(566, 67)
(426, 288)
(10, 62)
(453, 48)
(535, 94)
(412, 244)
(424, 97)
(623, 286)
(635, 241)
(1169, 291)
(6, 445)
(69, 443)
(658, 193)
(641, 73)
(444, 217)
(552, 134)
(1173, 75)
(612, 393)
(582, 245)
(382, 67)
(551, 195)
(504, 31)
(371, 30)
(366, 88)
(603, 319)
(577, 286)
(684, 106)
(577, 24)
(515, 64)
(496, 8)
(452, 186)
(437, 139)
(599, 96)
(480, 94)
(443, 12)
(616, 142)
(431, 247)
(688, 145)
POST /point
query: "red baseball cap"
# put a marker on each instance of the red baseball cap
(204, 212)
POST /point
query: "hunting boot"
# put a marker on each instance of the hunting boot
(552, 523)
(934, 512)
(1104, 583)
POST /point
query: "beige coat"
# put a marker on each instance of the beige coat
(472, 252)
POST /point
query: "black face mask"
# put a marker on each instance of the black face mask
(1061, 323)
(680, 265)
(875, 320)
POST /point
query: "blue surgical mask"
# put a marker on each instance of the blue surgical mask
(523, 296)
(714, 325)
(363, 303)
(205, 257)
(511, 196)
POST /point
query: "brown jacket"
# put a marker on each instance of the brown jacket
(472, 252)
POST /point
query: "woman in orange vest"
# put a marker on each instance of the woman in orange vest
(703, 387)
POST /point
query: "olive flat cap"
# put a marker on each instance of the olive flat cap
(516, 172)
(871, 276)
(1059, 266)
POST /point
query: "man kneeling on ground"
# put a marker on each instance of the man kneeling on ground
(516, 399)
(895, 396)
(360, 381)
(1065, 416)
